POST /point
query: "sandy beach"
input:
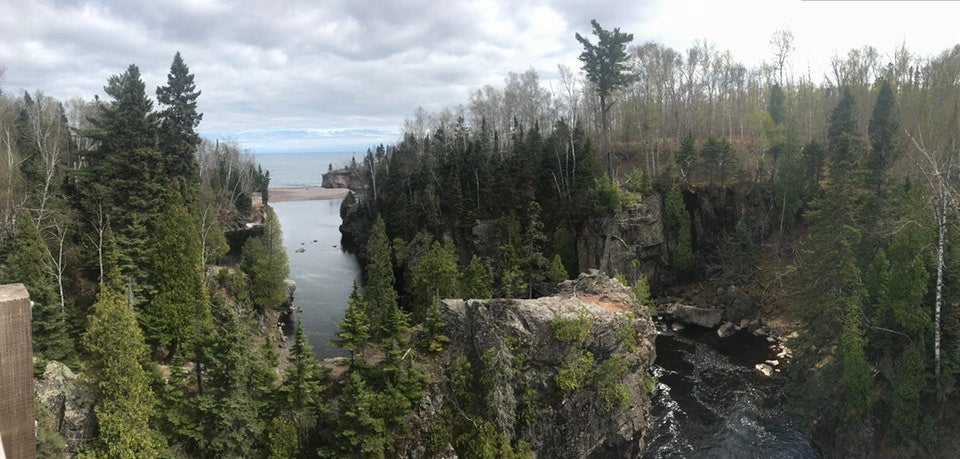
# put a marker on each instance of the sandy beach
(306, 193)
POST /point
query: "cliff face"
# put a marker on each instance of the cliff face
(341, 178)
(637, 236)
(565, 373)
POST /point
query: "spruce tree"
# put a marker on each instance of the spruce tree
(301, 391)
(434, 278)
(178, 139)
(125, 403)
(886, 147)
(677, 221)
(29, 263)
(353, 332)
(830, 353)
(379, 296)
(174, 302)
(125, 171)
(265, 260)
(475, 280)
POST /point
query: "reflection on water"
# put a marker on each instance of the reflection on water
(324, 273)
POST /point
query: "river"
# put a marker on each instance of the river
(711, 403)
(323, 271)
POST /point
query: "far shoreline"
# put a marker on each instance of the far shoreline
(305, 193)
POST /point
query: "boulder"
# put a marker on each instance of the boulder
(764, 369)
(704, 317)
(726, 329)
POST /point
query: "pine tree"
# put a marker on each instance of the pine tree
(125, 403)
(29, 263)
(677, 221)
(379, 296)
(434, 278)
(175, 298)
(265, 260)
(178, 139)
(354, 331)
(475, 280)
(302, 389)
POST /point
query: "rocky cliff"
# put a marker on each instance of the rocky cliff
(566, 374)
(342, 178)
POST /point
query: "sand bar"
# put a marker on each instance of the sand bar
(306, 193)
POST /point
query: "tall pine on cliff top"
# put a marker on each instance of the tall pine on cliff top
(125, 176)
(29, 263)
(178, 139)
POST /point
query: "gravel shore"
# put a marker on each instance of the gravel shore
(306, 193)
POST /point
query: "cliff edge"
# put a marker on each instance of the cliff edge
(565, 375)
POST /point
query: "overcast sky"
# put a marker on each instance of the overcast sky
(341, 75)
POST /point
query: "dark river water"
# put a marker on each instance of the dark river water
(711, 403)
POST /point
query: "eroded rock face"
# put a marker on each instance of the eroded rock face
(636, 235)
(340, 178)
(513, 348)
(70, 404)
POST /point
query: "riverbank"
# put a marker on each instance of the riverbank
(306, 193)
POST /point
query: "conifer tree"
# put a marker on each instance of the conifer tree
(677, 221)
(886, 147)
(125, 402)
(434, 277)
(535, 264)
(29, 263)
(265, 260)
(361, 431)
(178, 139)
(354, 331)
(830, 353)
(606, 66)
(475, 280)
(379, 296)
(174, 305)
(687, 157)
(302, 388)
(125, 171)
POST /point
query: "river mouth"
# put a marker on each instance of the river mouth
(711, 402)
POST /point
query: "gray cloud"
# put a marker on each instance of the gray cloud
(298, 67)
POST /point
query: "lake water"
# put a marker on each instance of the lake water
(301, 169)
(324, 273)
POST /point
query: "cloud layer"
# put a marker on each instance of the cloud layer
(289, 75)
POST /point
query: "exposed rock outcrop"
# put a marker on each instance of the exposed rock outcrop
(341, 178)
(636, 235)
(69, 403)
(516, 351)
